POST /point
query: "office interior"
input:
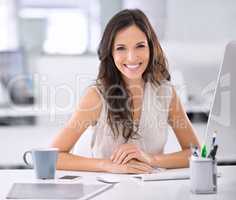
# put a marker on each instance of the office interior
(48, 59)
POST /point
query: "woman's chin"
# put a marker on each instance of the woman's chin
(133, 76)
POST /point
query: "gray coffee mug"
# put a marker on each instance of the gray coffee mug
(44, 162)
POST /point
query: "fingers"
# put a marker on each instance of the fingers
(136, 162)
(114, 154)
(139, 167)
(119, 150)
(120, 158)
(135, 171)
(132, 167)
(140, 156)
(117, 154)
(126, 152)
(129, 157)
(122, 151)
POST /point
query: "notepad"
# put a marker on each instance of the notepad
(170, 174)
(112, 178)
(157, 175)
(55, 190)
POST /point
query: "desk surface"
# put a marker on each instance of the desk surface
(132, 188)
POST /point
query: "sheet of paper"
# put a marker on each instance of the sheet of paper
(157, 174)
(170, 174)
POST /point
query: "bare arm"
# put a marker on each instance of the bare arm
(185, 134)
(87, 111)
(86, 114)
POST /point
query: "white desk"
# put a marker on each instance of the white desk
(135, 189)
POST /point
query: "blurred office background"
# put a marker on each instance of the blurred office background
(48, 58)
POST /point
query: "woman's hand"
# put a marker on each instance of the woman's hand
(126, 152)
(131, 167)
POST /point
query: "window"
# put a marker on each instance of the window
(71, 29)
(67, 32)
(8, 34)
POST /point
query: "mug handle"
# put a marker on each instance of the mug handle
(25, 159)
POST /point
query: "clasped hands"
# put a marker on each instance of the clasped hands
(129, 158)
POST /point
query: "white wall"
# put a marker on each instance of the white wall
(60, 81)
(202, 21)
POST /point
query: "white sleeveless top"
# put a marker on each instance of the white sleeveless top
(152, 129)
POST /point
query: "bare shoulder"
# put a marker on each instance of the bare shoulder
(175, 101)
(176, 108)
(91, 102)
(174, 93)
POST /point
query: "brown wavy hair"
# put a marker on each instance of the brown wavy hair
(109, 79)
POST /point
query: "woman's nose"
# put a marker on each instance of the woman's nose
(131, 56)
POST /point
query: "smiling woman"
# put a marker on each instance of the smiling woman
(129, 107)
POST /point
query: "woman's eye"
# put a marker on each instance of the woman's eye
(120, 48)
(141, 46)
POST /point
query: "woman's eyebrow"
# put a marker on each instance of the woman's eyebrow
(142, 42)
(119, 45)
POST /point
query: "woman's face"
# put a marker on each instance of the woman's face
(131, 52)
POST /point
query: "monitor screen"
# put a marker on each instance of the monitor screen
(222, 118)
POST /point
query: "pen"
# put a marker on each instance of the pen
(213, 144)
(214, 138)
(194, 150)
(204, 151)
(212, 154)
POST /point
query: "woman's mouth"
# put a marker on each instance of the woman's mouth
(132, 67)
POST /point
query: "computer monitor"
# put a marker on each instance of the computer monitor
(222, 118)
(14, 76)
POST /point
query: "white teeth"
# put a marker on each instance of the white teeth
(132, 66)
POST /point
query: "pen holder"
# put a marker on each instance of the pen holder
(203, 175)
